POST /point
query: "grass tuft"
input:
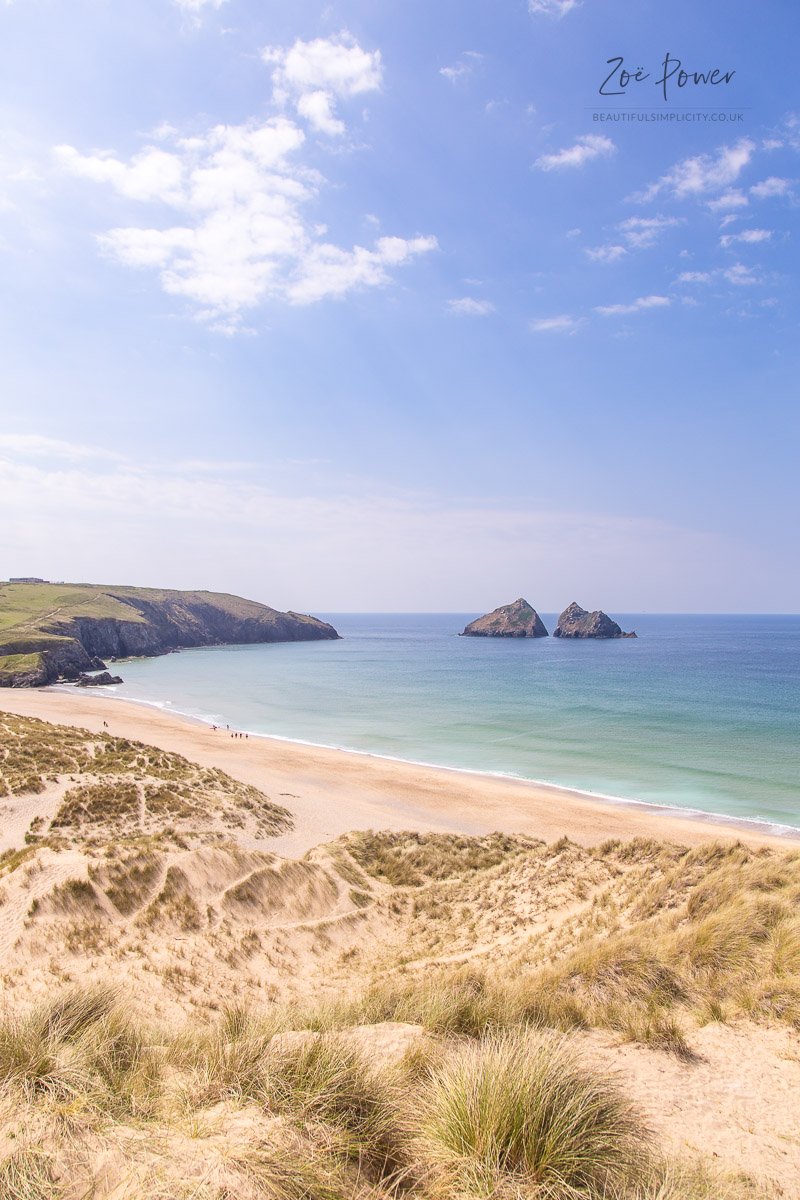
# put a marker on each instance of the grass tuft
(28, 1174)
(518, 1109)
(82, 1045)
(325, 1080)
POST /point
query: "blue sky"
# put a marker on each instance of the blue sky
(357, 306)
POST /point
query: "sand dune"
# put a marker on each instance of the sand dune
(240, 925)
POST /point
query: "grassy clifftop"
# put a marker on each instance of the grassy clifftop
(48, 630)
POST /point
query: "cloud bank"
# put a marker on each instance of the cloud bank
(229, 229)
(77, 512)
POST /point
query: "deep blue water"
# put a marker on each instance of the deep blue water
(700, 711)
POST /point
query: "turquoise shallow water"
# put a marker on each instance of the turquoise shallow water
(700, 712)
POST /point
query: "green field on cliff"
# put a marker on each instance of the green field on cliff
(27, 607)
(40, 623)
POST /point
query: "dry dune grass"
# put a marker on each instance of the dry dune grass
(98, 1103)
(109, 787)
(416, 859)
(494, 961)
(658, 940)
(647, 940)
(515, 1109)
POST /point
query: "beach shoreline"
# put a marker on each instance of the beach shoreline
(332, 791)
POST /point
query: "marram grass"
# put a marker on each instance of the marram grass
(512, 1113)
(518, 1108)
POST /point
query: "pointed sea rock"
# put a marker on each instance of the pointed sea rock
(517, 620)
(576, 622)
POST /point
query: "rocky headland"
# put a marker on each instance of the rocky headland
(517, 620)
(61, 631)
(576, 622)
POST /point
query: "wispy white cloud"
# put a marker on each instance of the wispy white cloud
(746, 235)
(586, 148)
(733, 198)
(560, 324)
(740, 275)
(704, 172)
(638, 233)
(641, 232)
(773, 186)
(315, 75)
(552, 8)
(330, 271)
(464, 67)
(34, 445)
(644, 302)
(232, 230)
(196, 6)
(609, 253)
(21, 172)
(467, 306)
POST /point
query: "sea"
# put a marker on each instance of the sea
(699, 713)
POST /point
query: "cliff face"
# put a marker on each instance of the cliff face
(127, 622)
(172, 624)
(511, 620)
(576, 622)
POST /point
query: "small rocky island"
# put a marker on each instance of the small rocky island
(104, 679)
(517, 620)
(576, 622)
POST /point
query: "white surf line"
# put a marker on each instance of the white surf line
(754, 824)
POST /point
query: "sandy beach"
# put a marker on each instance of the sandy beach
(330, 792)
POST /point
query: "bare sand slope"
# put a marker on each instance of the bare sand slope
(330, 792)
(736, 1102)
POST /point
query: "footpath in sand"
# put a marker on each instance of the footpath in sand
(331, 792)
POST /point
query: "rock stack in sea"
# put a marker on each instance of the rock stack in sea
(102, 680)
(517, 620)
(576, 622)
